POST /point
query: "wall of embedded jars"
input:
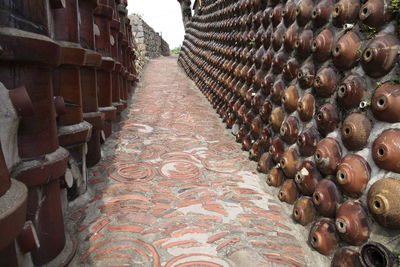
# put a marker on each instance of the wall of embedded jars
(66, 68)
(312, 90)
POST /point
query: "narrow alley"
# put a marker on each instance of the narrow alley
(175, 189)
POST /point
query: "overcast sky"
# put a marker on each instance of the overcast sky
(163, 16)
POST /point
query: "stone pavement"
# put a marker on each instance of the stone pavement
(174, 189)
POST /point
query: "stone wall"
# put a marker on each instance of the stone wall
(310, 89)
(150, 43)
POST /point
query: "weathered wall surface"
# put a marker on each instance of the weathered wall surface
(150, 43)
(311, 90)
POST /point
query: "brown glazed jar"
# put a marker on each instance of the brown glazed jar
(306, 107)
(290, 130)
(291, 69)
(288, 192)
(307, 177)
(326, 198)
(325, 82)
(380, 55)
(289, 13)
(277, 91)
(346, 52)
(265, 163)
(345, 12)
(277, 149)
(290, 38)
(290, 98)
(386, 152)
(322, 12)
(304, 211)
(256, 150)
(346, 257)
(277, 37)
(304, 43)
(305, 76)
(276, 119)
(351, 91)
(376, 254)
(323, 236)
(322, 45)
(327, 119)
(353, 174)
(374, 13)
(352, 223)
(386, 102)
(383, 202)
(276, 15)
(307, 141)
(275, 177)
(327, 155)
(266, 110)
(278, 62)
(289, 163)
(304, 12)
(355, 131)
(267, 84)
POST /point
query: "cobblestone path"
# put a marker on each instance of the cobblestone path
(174, 189)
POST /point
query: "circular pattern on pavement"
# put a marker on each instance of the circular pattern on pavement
(180, 170)
(132, 172)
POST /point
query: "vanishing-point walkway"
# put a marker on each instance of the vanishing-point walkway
(174, 189)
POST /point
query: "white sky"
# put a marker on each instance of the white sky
(163, 16)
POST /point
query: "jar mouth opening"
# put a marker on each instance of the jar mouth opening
(368, 55)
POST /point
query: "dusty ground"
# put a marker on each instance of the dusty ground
(174, 189)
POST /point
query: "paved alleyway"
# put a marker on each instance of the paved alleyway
(174, 189)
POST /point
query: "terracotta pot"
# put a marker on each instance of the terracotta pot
(385, 102)
(290, 130)
(304, 12)
(380, 55)
(385, 152)
(276, 119)
(322, 12)
(304, 211)
(307, 141)
(345, 12)
(276, 149)
(327, 119)
(351, 91)
(327, 155)
(326, 198)
(306, 107)
(304, 44)
(355, 131)
(275, 177)
(353, 174)
(305, 76)
(322, 45)
(290, 163)
(265, 163)
(352, 223)
(289, 13)
(325, 82)
(374, 14)
(290, 70)
(382, 202)
(288, 192)
(347, 51)
(323, 236)
(307, 177)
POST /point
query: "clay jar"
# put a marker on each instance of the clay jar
(305, 107)
(386, 102)
(267, 84)
(327, 118)
(307, 177)
(346, 52)
(326, 197)
(304, 211)
(290, 38)
(346, 257)
(290, 130)
(307, 141)
(288, 192)
(278, 62)
(305, 76)
(376, 254)
(323, 236)
(386, 152)
(355, 131)
(289, 13)
(290, 98)
(345, 11)
(289, 163)
(380, 55)
(304, 12)
(322, 12)
(265, 163)
(327, 155)
(325, 82)
(277, 37)
(351, 91)
(374, 14)
(276, 118)
(352, 223)
(290, 70)
(276, 15)
(353, 174)
(304, 43)
(383, 202)
(277, 149)
(265, 110)
(275, 177)
(322, 45)
(277, 91)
